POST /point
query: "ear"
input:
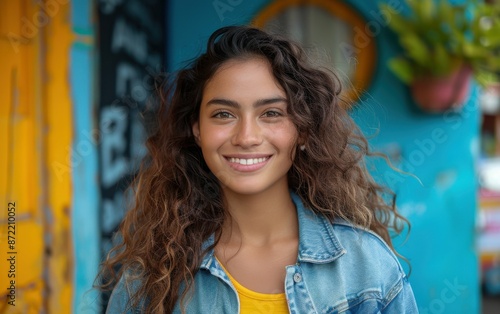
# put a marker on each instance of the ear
(302, 139)
(196, 132)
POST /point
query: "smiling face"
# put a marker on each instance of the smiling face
(244, 131)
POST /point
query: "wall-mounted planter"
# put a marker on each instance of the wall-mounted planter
(438, 94)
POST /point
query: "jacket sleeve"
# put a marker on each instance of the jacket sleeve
(404, 302)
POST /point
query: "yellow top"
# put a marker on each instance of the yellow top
(255, 302)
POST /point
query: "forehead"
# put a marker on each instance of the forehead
(239, 75)
(250, 59)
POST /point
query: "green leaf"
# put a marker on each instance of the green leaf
(484, 77)
(422, 8)
(444, 14)
(493, 63)
(397, 23)
(402, 69)
(442, 59)
(473, 51)
(415, 48)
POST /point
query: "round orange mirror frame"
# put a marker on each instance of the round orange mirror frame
(359, 52)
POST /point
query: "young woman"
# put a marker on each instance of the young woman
(255, 197)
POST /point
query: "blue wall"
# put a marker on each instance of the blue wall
(85, 214)
(439, 149)
(441, 204)
(107, 94)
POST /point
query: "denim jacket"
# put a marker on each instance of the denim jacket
(340, 269)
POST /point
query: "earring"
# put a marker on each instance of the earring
(302, 147)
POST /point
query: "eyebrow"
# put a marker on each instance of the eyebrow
(234, 104)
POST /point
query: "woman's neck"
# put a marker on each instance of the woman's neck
(260, 219)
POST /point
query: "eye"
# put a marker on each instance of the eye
(272, 114)
(222, 115)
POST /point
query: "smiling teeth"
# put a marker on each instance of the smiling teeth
(250, 161)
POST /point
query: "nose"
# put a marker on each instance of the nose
(247, 133)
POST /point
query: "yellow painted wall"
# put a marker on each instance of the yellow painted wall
(35, 132)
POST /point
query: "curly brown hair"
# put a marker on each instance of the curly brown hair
(178, 201)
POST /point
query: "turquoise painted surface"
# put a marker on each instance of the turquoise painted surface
(190, 23)
(439, 149)
(85, 222)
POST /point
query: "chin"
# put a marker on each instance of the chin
(248, 191)
(250, 187)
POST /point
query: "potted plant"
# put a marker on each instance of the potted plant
(443, 46)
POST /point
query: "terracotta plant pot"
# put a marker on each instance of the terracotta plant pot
(438, 94)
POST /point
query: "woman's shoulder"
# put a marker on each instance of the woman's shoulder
(365, 247)
(366, 275)
(120, 299)
(322, 238)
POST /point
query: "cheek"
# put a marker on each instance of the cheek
(285, 135)
(212, 137)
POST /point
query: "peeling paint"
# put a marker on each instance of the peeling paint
(38, 121)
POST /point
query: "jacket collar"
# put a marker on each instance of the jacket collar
(317, 241)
